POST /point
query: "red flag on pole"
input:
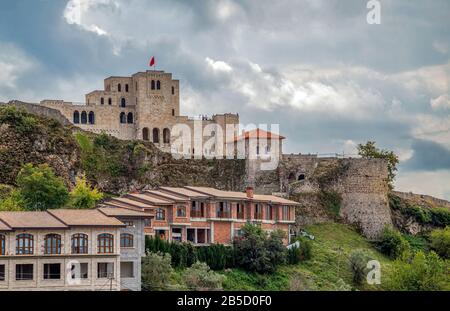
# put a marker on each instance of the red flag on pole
(152, 61)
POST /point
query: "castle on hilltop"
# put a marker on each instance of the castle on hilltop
(144, 106)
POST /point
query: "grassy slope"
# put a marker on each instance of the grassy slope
(332, 245)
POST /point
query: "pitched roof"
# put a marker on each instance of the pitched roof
(125, 212)
(128, 201)
(4, 227)
(148, 198)
(258, 133)
(242, 195)
(31, 220)
(166, 195)
(184, 191)
(76, 217)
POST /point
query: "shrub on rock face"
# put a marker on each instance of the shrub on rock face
(199, 277)
(358, 265)
(156, 271)
(393, 243)
(440, 242)
(256, 251)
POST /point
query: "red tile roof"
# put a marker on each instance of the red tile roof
(258, 133)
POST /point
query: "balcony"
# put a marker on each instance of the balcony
(223, 214)
(258, 216)
(197, 214)
(240, 215)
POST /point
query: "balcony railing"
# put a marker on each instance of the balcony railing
(240, 215)
(258, 216)
(197, 214)
(223, 214)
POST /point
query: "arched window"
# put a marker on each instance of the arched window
(173, 90)
(105, 243)
(153, 85)
(91, 117)
(126, 240)
(156, 135)
(83, 117)
(2, 245)
(102, 101)
(123, 117)
(76, 117)
(130, 117)
(145, 133)
(166, 136)
(158, 85)
(160, 214)
(24, 244)
(123, 102)
(109, 101)
(79, 243)
(52, 244)
(301, 177)
(119, 88)
(126, 88)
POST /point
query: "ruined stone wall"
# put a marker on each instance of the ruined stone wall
(40, 110)
(360, 183)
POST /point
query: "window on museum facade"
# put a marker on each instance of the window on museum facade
(126, 240)
(91, 117)
(76, 117)
(79, 243)
(105, 243)
(24, 244)
(52, 244)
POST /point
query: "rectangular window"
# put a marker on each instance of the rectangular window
(258, 211)
(129, 223)
(126, 270)
(79, 271)
(160, 214)
(240, 211)
(2, 272)
(52, 271)
(24, 272)
(176, 234)
(269, 212)
(223, 210)
(105, 270)
(181, 211)
(190, 235)
(198, 209)
(285, 213)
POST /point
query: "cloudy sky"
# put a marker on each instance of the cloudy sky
(316, 67)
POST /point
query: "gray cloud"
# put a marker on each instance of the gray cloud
(428, 156)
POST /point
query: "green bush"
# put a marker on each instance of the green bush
(217, 256)
(358, 265)
(40, 189)
(256, 251)
(440, 242)
(293, 255)
(440, 217)
(156, 271)
(393, 243)
(12, 203)
(23, 122)
(421, 273)
(200, 277)
(83, 195)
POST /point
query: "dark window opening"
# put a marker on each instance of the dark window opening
(166, 136)
(2, 272)
(301, 177)
(123, 117)
(156, 135)
(153, 84)
(173, 90)
(83, 117)
(109, 101)
(145, 135)
(105, 270)
(91, 117)
(76, 117)
(123, 102)
(173, 112)
(126, 88)
(52, 271)
(130, 117)
(2, 245)
(24, 272)
(102, 101)
(119, 88)
(158, 85)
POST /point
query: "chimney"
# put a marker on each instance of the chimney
(249, 191)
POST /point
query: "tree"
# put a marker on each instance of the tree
(440, 242)
(370, 151)
(199, 276)
(156, 271)
(421, 273)
(256, 251)
(40, 189)
(83, 195)
(12, 203)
